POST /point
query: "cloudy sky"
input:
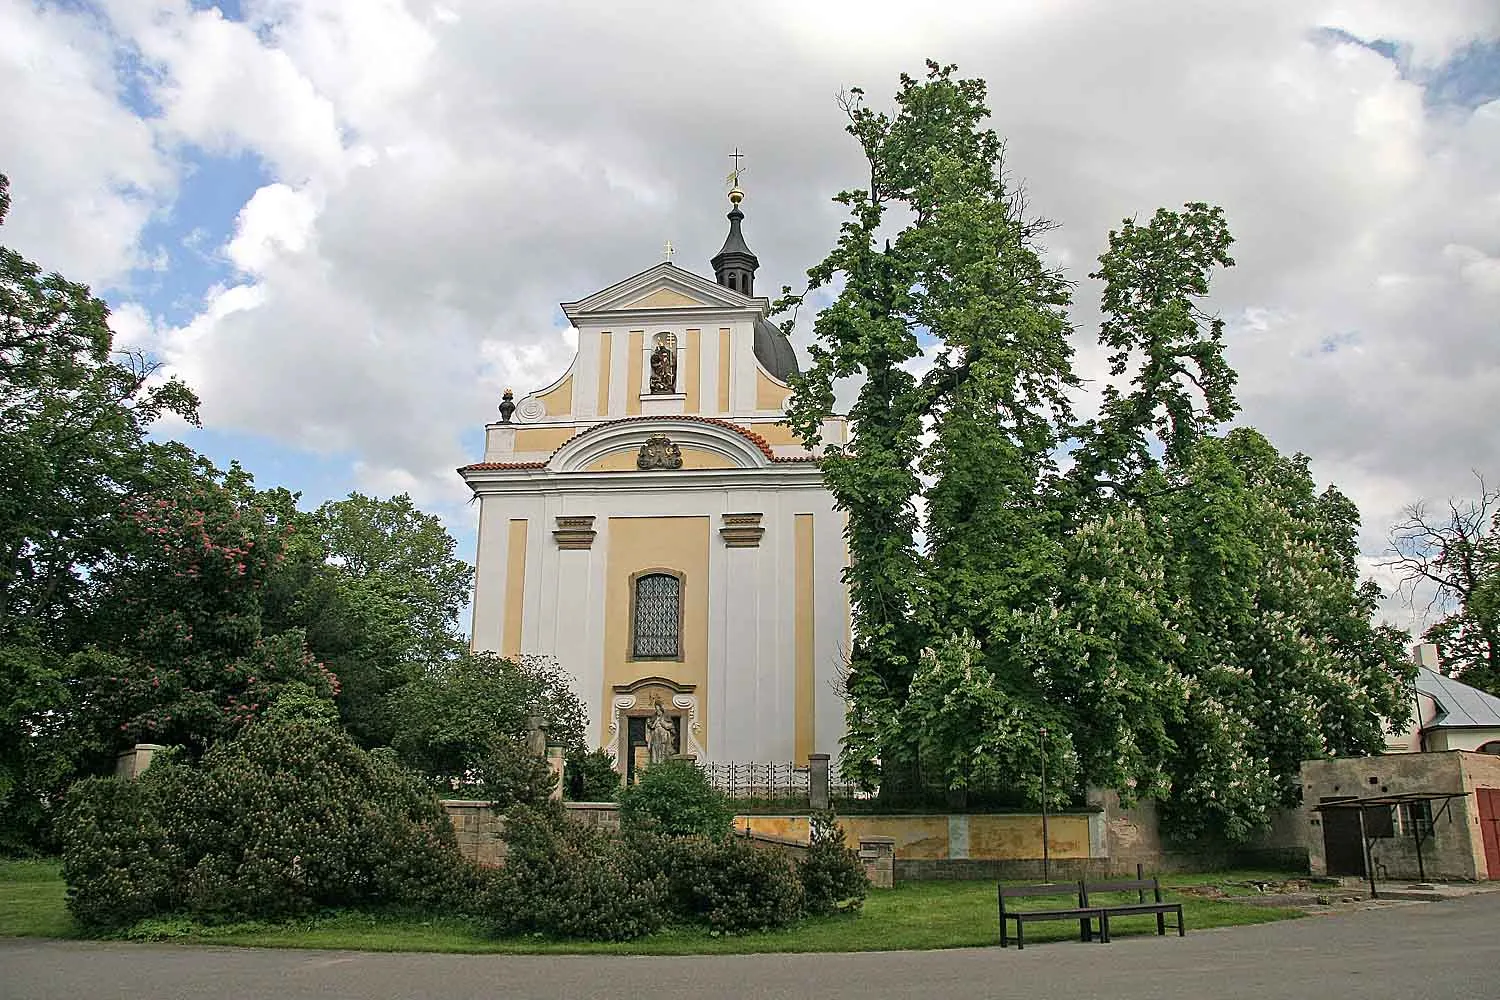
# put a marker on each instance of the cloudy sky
(347, 223)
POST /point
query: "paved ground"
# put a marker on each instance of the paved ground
(1446, 950)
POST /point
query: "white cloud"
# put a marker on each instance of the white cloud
(85, 172)
(443, 174)
(222, 90)
(276, 221)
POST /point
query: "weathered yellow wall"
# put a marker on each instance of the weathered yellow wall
(692, 458)
(915, 836)
(1001, 837)
(637, 544)
(633, 362)
(991, 837)
(559, 401)
(542, 438)
(786, 827)
(515, 585)
(769, 394)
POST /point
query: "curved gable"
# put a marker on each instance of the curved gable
(612, 446)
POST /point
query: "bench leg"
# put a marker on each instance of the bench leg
(1181, 931)
(1161, 925)
(1020, 934)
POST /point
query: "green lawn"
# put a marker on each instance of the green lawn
(917, 915)
(31, 900)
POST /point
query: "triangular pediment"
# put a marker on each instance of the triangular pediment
(663, 287)
(665, 298)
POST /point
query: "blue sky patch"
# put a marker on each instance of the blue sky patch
(212, 190)
(1468, 79)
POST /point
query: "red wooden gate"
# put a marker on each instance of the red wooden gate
(1489, 827)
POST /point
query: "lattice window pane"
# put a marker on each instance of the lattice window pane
(657, 616)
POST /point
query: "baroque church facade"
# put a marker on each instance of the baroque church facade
(650, 522)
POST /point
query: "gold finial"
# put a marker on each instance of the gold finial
(733, 180)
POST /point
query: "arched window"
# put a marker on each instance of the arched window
(1492, 747)
(656, 625)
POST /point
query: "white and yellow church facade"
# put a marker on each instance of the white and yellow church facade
(650, 522)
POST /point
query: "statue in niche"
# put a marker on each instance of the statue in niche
(658, 452)
(660, 733)
(663, 370)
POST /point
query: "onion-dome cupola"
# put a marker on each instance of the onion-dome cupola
(735, 265)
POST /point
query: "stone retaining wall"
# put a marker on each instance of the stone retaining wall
(481, 831)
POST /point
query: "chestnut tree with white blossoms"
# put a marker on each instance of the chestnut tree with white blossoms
(1153, 602)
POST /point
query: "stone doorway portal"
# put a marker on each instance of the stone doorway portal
(635, 703)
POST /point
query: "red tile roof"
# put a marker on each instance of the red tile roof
(487, 466)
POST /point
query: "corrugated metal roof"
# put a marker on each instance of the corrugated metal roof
(1458, 704)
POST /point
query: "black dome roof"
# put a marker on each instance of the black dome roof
(774, 351)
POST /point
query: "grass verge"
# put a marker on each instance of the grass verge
(916, 915)
(31, 900)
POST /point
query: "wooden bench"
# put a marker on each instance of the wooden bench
(1141, 907)
(1085, 915)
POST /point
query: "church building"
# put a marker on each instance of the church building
(648, 521)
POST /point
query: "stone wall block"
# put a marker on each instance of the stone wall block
(878, 854)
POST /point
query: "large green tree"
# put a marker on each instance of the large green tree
(1282, 662)
(377, 588)
(74, 417)
(1181, 387)
(181, 623)
(447, 722)
(867, 333)
(1180, 614)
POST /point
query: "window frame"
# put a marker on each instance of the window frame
(1416, 818)
(635, 580)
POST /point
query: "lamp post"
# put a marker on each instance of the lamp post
(1046, 846)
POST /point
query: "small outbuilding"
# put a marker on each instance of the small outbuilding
(1427, 809)
(1432, 815)
(1430, 807)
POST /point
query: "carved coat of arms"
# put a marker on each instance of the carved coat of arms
(658, 453)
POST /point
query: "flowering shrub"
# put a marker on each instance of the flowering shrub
(118, 862)
(184, 616)
(733, 887)
(290, 817)
(565, 879)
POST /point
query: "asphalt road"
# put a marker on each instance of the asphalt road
(1434, 951)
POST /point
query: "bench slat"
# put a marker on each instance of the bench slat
(1130, 886)
(1040, 889)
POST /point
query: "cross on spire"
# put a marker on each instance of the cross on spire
(734, 174)
(667, 250)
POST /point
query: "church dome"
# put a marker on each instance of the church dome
(774, 351)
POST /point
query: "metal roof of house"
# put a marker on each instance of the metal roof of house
(1459, 706)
